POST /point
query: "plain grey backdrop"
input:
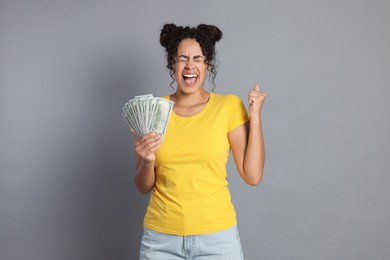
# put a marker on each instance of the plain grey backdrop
(67, 68)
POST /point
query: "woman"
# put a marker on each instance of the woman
(190, 214)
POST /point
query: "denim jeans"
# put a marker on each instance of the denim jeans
(224, 245)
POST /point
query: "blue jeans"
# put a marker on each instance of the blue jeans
(224, 245)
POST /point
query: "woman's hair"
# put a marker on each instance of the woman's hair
(206, 35)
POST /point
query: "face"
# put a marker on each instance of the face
(190, 67)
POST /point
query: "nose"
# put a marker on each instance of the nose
(189, 64)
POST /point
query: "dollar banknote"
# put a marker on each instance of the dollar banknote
(145, 114)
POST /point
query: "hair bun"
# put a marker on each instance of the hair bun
(213, 32)
(167, 31)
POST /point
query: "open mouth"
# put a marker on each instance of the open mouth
(190, 79)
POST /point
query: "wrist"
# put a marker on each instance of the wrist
(148, 163)
(255, 119)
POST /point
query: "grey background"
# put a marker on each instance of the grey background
(67, 68)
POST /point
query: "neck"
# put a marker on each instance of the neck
(181, 98)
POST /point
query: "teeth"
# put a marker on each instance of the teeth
(190, 76)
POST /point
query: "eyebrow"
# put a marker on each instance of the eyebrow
(186, 57)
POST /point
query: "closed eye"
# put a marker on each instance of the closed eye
(198, 59)
(183, 58)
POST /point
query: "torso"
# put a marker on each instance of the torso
(191, 194)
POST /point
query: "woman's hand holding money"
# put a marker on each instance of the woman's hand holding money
(146, 146)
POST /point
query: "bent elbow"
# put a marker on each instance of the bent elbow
(255, 180)
(144, 190)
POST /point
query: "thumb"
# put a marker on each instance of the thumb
(134, 133)
(256, 88)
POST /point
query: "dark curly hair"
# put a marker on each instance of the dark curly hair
(206, 35)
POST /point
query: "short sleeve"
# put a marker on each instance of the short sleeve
(237, 113)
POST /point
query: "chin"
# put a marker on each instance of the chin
(188, 89)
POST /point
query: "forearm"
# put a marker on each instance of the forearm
(145, 176)
(254, 153)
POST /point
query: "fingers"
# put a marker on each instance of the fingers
(147, 143)
(255, 95)
(256, 90)
(256, 100)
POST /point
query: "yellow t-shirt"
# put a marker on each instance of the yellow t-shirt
(191, 194)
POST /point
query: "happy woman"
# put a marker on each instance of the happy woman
(190, 213)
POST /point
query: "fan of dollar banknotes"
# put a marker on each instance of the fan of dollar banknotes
(146, 114)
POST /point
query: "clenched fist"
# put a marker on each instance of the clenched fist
(256, 100)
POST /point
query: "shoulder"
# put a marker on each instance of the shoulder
(226, 97)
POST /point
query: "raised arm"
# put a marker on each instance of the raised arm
(247, 141)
